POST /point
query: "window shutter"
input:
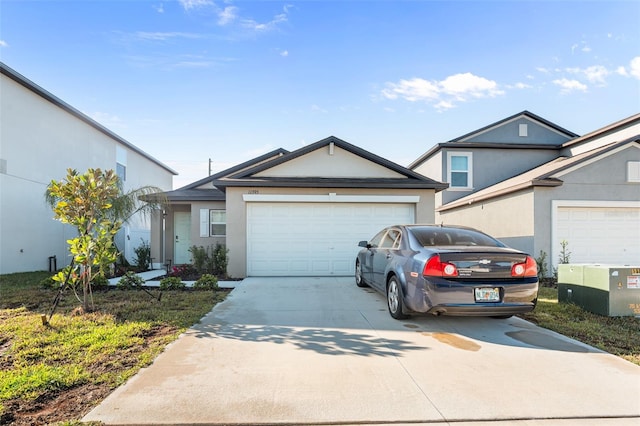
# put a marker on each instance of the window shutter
(204, 222)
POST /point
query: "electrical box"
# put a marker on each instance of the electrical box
(608, 290)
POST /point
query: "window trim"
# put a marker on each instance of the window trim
(469, 171)
(206, 223)
(633, 171)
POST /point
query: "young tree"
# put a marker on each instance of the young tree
(95, 205)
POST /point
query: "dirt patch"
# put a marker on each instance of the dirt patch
(73, 403)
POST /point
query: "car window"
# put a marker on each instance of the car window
(391, 239)
(375, 241)
(453, 237)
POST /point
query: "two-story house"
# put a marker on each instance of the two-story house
(534, 185)
(42, 136)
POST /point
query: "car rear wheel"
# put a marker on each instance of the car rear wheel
(394, 298)
(359, 279)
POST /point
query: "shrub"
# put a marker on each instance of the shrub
(99, 282)
(130, 281)
(206, 282)
(221, 260)
(171, 283)
(143, 256)
(543, 269)
(50, 283)
(183, 271)
(200, 258)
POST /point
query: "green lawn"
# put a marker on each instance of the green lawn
(65, 368)
(44, 364)
(617, 335)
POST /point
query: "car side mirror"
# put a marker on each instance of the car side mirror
(364, 244)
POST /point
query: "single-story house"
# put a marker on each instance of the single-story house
(298, 213)
(534, 185)
(42, 136)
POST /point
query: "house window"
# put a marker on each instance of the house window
(633, 171)
(121, 163)
(523, 130)
(459, 165)
(217, 223)
(121, 171)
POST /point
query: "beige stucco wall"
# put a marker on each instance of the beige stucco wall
(237, 214)
(339, 164)
(509, 218)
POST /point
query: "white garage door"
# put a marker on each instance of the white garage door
(314, 239)
(608, 235)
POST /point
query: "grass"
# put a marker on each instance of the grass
(617, 335)
(40, 364)
(58, 372)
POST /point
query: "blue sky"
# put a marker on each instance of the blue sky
(190, 80)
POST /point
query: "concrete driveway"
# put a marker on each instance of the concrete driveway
(322, 351)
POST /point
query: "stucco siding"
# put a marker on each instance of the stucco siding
(327, 161)
(537, 133)
(237, 214)
(599, 182)
(509, 218)
(494, 165)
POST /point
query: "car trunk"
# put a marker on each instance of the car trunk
(474, 265)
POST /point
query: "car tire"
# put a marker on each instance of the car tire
(394, 298)
(501, 316)
(360, 282)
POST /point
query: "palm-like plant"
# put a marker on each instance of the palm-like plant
(96, 206)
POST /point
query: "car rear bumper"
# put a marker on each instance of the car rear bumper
(444, 297)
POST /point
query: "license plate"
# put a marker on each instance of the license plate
(487, 294)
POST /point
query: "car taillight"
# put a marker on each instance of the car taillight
(436, 268)
(527, 269)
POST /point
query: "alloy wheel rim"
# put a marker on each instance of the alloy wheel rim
(393, 296)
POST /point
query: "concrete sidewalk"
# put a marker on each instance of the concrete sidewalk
(150, 279)
(322, 351)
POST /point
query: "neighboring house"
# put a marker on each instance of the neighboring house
(296, 213)
(41, 137)
(582, 190)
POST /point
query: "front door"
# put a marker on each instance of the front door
(182, 237)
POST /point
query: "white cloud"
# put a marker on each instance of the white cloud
(162, 36)
(267, 26)
(4, 43)
(227, 15)
(284, 53)
(568, 86)
(194, 4)
(634, 67)
(622, 71)
(595, 74)
(445, 93)
(159, 8)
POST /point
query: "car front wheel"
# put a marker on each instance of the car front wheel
(394, 298)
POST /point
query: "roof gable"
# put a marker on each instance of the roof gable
(505, 134)
(539, 132)
(329, 162)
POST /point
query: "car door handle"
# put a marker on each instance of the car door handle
(388, 255)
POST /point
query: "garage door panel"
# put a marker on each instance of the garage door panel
(599, 234)
(314, 239)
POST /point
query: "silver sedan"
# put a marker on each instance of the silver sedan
(447, 270)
